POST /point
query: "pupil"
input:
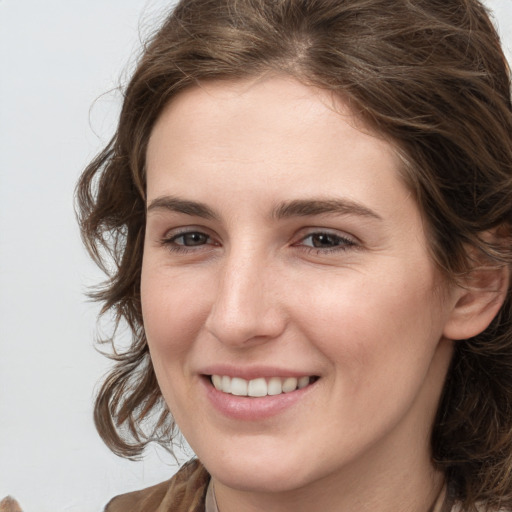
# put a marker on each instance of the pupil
(324, 240)
(194, 239)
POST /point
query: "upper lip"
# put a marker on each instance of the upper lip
(253, 372)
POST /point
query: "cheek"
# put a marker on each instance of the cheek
(380, 344)
(173, 312)
(385, 324)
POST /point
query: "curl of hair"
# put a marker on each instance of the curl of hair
(430, 76)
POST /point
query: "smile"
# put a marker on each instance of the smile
(259, 387)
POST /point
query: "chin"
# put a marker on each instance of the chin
(248, 478)
(259, 470)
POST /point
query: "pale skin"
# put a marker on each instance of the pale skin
(281, 238)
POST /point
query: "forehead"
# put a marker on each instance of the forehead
(252, 120)
(268, 94)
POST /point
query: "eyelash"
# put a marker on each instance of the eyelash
(343, 243)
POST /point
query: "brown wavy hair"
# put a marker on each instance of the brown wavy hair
(430, 76)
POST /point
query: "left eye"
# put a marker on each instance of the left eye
(326, 241)
(192, 239)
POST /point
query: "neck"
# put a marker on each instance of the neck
(418, 489)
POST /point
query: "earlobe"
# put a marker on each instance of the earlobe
(477, 301)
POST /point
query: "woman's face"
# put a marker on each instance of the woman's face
(285, 258)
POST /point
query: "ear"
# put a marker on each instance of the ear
(477, 301)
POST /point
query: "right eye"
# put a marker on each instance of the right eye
(187, 241)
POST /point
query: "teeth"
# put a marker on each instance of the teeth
(217, 381)
(290, 384)
(258, 387)
(274, 386)
(303, 382)
(238, 386)
(226, 384)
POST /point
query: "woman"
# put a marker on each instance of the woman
(309, 208)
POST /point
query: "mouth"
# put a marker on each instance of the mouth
(261, 386)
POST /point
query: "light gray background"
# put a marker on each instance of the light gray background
(57, 59)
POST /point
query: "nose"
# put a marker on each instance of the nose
(246, 308)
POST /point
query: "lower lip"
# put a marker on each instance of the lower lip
(252, 408)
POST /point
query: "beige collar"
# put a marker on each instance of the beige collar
(210, 504)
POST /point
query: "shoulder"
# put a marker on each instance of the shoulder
(184, 492)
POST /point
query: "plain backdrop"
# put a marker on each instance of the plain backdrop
(60, 64)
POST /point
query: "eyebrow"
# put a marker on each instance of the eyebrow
(284, 210)
(306, 207)
(175, 204)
